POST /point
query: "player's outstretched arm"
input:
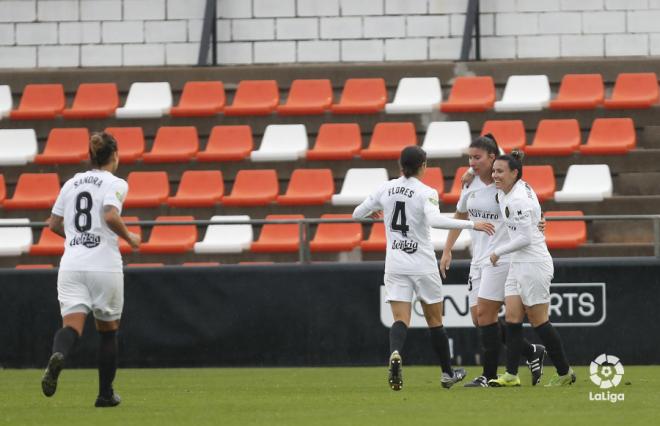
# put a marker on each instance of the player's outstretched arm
(445, 260)
(116, 224)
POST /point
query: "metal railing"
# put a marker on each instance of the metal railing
(472, 25)
(304, 254)
(209, 35)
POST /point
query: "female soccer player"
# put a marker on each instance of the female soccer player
(486, 282)
(410, 208)
(530, 272)
(90, 279)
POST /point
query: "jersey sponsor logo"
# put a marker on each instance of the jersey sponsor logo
(401, 190)
(406, 246)
(85, 239)
(481, 214)
(94, 180)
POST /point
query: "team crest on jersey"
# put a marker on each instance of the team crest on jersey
(86, 239)
(434, 201)
(506, 211)
(119, 195)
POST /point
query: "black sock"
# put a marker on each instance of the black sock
(502, 324)
(490, 341)
(64, 341)
(550, 338)
(513, 346)
(107, 362)
(440, 344)
(527, 349)
(398, 336)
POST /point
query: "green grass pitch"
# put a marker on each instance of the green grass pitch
(319, 396)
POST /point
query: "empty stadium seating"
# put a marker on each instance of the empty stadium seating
(124, 247)
(40, 102)
(333, 237)
(377, 240)
(565, 234)
(226, 238)
(147, 100)
(362, 96)
(586, 182)
(416, 95)
(198, 188)
(130, 143)
(610, 136)
(65, 146)
(336, 141)
(634, 90)
(200, 99)
(17, 146)
(555, 137)
(509, 134)
(447, 139)
(308, 187)
(388, 139)
(470, 94)
(358, 184)
(278, 238)
(433, 178)
(282, 142)
(454, 193)
(579, 91)
(50, 244)
(173, 145)
(254, 97)
(94, 100)
(171, 238)
(525, 93)
(542, 180)
(6, 101)
(147, 189)
(14, 240)
(253, 188)
(34, 191)
(228, 143)
(307, 97)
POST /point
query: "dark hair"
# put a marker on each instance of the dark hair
(412, 158)
(487, 143)
(515, 161)
(101, 147)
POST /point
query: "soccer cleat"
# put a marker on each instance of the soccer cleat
(535, 364)
(479, 382)
(396, 371)
(112, 401)
(504, 381)
(49, 379)
(565, 380)
(448, 381)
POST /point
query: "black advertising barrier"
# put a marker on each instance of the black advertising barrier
(320, 314)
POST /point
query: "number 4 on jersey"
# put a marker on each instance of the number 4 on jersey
(399, 219)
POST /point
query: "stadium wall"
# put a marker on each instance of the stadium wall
(93, 33)
(322, 314)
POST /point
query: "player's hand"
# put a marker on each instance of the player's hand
(494, 258)
(486, 227)
(376, 215)
(466, 179)
(134, 240)
(445, 261)
(541, 224)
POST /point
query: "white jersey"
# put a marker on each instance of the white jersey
(522, 213)
(409, 208)
(90, 244)
(479, 201)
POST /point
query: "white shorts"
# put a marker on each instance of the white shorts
(530, 280)
(400, 288)
(487, 282)
(84, 291)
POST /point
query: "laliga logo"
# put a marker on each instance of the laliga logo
(606, 372)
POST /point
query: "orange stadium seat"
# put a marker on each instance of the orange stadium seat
(308, 187)
(388, 139)
(124, 247)
(433, 178)
(377, 240)
(3, 189)
(336, 141)
(147, 189)
(50, 244)
(362, 96)
(65, 146)
(34, 191)
(555, 137)
(634, 90)
(199, 188)
(145, 265)
(254, 97)
(307, 97)
(94, 100)
(173, 145)
(452, 196)
(276, 238)
(171, 238)
(565, 234)
(228, 143)
(332, 237)
(610, 136)
(34, 266)
(40, 101)
(470, 94)
(509, 134)
(253, 188)
(200, 264)
(130, 143)
(542, 180)
(200, 99)
(579, 91)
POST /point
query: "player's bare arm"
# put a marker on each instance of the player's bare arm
(56, 224)
(116, 224)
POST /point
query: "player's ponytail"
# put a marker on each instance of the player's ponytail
(487, 143)
(515, 161)
(411, 160)
(101, 147)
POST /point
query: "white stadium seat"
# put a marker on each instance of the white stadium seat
(282, 142)
(416, 95)
(447, 139)
(226, 238)
(15, 241)
(586, 182)
(147, 100)
(6, 103)
(358, 184)
(525, 93)
(439, 237)
(17, 146)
